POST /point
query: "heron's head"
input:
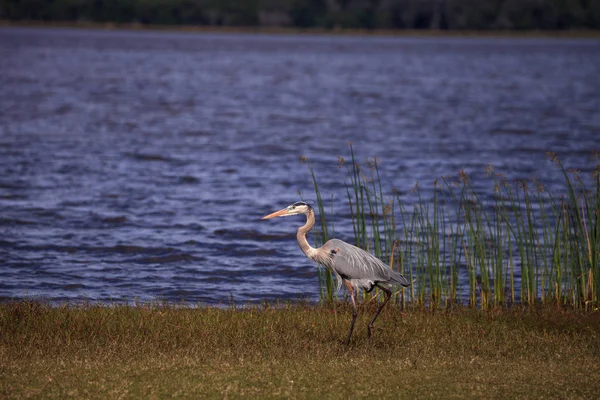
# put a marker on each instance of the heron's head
(298, 207)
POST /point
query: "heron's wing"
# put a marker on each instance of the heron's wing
(351, 262)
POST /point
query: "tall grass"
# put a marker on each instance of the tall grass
(516, 243)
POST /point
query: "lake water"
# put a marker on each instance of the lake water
(137, 165)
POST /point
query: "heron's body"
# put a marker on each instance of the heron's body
(362, 269)
(351, 265)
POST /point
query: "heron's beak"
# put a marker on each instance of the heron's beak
(279, 213)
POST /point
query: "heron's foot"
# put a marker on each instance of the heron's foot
(349, 338)
(370, 330)
(347, 341)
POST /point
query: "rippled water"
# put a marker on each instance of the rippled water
(137, 165)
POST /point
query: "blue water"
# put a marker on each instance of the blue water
(137, 165)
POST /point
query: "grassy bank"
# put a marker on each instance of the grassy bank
(161, 351)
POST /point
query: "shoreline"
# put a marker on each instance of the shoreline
(263, 30)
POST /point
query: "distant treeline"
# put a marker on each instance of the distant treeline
(325, 14)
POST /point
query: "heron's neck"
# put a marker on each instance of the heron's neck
(301, 235)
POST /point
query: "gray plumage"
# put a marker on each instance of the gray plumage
(361, 268)
(352, 266)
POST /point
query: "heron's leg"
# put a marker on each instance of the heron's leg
(354, 310)
(388, 295)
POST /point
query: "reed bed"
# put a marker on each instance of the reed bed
(516, 243)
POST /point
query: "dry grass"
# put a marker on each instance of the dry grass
(159, 351)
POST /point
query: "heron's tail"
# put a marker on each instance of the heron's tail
(397, 277)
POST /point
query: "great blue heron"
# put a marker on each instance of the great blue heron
(353, 266)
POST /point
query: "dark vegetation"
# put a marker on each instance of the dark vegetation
(322, 14)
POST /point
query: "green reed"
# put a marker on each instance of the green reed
(517, 243)
(326, 280)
